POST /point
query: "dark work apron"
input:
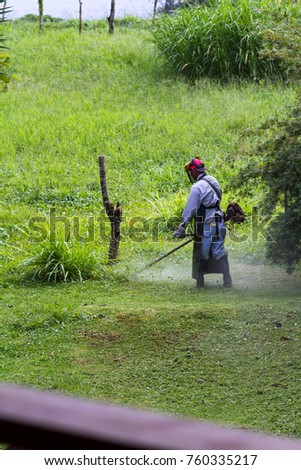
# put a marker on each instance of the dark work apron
(199, 264)
(197, 244)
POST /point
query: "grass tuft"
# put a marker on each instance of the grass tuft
(59, 261)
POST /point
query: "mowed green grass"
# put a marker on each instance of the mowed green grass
(229, 356)
(147, 339)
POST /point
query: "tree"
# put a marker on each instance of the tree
(41, 14)
(170, 5)
(111, 17)
(277, 166)
(282, 176)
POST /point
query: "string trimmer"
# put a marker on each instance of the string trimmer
(170, 252)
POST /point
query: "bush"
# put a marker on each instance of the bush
(285, 230)
(131, 22)
(227, 39)
(32, 18)
(278, 169)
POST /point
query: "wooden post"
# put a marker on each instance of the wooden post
(111, 17)
(80, 23)
(113, 213)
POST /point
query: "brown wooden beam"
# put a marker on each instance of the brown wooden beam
(31, 419)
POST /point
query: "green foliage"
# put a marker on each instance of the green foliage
(281, 38)
(4, 69)
(4, 56)
(32, 18)
(131, 22)
(281, 173)
(224, 39)
(58, 261)
(286, 245)
(277, 166)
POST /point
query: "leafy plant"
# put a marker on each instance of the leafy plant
(59, 261)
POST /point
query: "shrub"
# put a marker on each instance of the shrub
(227, 39)
(286, 245)
(278, 169)
(131, 22)
(32, 18)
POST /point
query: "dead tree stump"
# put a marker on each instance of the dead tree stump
(114, 214)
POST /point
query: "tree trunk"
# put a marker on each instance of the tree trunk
(113, 213)
(41, 14)
(111, 17)
(155, 8)
(80, 23)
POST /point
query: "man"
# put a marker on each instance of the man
(203, 205)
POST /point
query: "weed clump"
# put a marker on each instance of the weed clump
(60, 261)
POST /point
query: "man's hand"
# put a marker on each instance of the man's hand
(179, 233)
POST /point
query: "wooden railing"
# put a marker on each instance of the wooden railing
(31, 419)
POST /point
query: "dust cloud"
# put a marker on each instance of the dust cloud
(245, 276)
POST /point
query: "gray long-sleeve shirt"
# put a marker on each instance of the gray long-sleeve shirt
(201, 193)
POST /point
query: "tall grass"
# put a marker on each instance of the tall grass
(56, 261)
(227, 39)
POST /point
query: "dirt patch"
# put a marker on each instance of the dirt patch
(167, 337)
(97, 338)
